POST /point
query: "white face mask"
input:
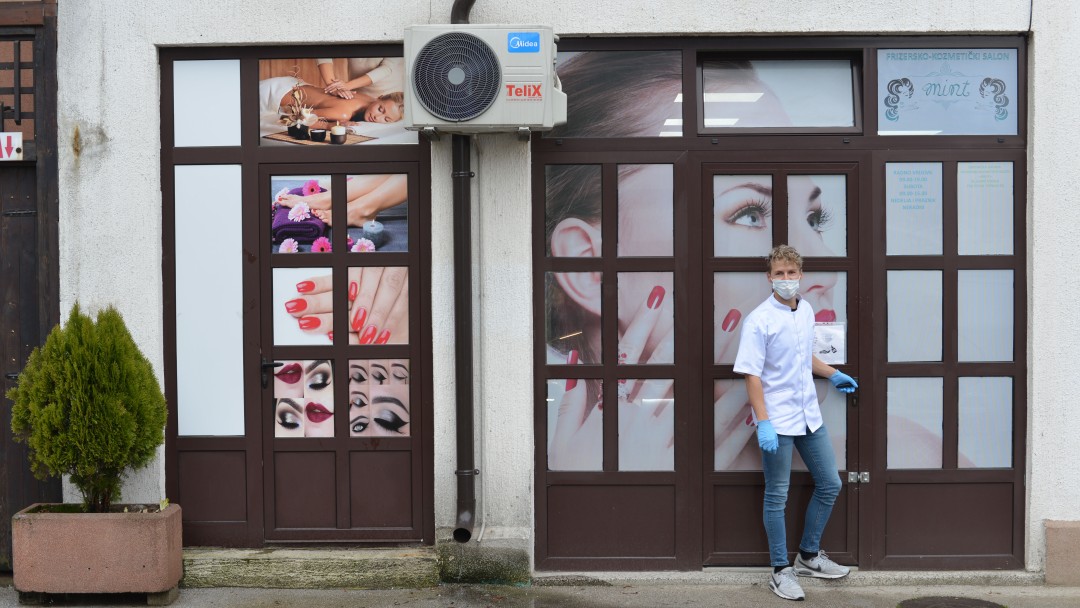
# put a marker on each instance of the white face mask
(786, 289)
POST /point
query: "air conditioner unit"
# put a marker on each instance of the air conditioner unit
(482, 79)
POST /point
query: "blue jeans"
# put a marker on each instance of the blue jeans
(817, 452)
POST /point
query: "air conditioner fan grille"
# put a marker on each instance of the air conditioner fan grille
(456, 76)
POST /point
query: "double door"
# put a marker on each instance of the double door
(671, 477)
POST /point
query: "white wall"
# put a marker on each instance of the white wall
(110, 219)
(1054, 230)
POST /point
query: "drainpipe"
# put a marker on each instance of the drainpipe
(466, 471)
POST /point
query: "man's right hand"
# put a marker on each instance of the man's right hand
(766, 437)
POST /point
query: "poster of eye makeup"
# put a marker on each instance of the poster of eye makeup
(379, 398)
(304, 398)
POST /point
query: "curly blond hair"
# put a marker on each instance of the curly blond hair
(783, 253)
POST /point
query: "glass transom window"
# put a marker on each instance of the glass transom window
(779, 94)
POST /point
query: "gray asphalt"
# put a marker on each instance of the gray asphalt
(819, 594)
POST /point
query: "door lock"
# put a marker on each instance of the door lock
(266, 367)
(858, 477)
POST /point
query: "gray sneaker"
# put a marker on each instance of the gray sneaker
(819, 566)
(785, 585)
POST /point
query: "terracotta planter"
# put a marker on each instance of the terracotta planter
(96, 552)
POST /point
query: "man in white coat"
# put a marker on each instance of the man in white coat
(777, 362)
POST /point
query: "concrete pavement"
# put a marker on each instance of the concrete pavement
(820, 594)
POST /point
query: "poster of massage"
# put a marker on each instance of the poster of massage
(333, 101)
(376, 213)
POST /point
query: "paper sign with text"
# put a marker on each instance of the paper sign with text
(830, 342)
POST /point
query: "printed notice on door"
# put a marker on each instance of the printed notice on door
(830, 345)
(913, 209)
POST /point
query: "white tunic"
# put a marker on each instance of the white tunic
(776, 345)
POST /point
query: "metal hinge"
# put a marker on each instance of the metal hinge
(857, 477)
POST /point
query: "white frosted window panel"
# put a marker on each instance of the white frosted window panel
(199, 122)
(575, 435)
(646, 425)
(646, 203)
(914, 423)
(914, 311)
(985, 423)
(778, 93)
(984, 207)
(209, 303)
(985, 315)
(817, 214)
(913, 209)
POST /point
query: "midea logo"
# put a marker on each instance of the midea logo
(523, 42)
(517, 43)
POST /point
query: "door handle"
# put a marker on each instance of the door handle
(12, 376)
(853, 396)
(266, 367)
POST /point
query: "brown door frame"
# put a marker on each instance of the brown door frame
(780, 165)
(883, 479)
(342, 445)
(805, 145)
(245, 454)
(685, 523)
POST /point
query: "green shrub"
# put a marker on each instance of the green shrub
(88, 405)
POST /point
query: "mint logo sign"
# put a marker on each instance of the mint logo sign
(523, 42)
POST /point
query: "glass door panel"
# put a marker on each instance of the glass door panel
(753, 208)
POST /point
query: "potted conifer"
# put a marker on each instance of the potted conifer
(89, 406)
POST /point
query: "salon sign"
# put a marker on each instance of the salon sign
(947, 91)
(11, 145)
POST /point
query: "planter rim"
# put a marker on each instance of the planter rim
(26, 513)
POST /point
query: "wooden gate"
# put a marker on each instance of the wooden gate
(28, 234)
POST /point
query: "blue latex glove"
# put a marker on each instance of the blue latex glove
(843, 382)
(766, 437)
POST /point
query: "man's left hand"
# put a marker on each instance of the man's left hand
(843, 382)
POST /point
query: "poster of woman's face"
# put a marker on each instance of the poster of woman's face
(639, 94)
(304, 398)
(333, 101)
(379, 398)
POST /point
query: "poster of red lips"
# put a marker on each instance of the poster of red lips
(304, 398)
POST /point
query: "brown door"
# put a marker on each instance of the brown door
(343, 426)
(748, 207)
(615, 431)
(948, 390)
(19, 334)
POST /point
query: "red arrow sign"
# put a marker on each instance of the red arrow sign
(8, 148)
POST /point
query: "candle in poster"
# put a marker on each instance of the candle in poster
(947, 91)
(913, 208)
